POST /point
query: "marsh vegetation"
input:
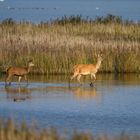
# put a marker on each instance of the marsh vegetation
(55, 48)
(58, 45)
(10, 131)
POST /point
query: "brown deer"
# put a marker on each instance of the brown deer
(86, 69)
(18, 71)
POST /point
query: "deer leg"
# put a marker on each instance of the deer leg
(78, 78)
(19, 79)
(26, 79)
(92, 76)
(74, 75)
(8, 79)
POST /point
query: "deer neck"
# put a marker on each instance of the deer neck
(98, 64)
(28, 69)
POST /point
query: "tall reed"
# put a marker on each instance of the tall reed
(10, 131)
(56, 46)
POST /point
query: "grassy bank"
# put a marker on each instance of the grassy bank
(9, 131)
(56, 46)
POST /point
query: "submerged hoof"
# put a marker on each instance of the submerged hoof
(7, 84)
(91, 84)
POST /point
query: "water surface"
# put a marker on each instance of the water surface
(44, 10)
(111, 106)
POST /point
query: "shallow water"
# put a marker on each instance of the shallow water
(111, 106)
(43, 10)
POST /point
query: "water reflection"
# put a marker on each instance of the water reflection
(131, 79)
(112, 102)
(114, 79)
(87, 93)
(19, 93)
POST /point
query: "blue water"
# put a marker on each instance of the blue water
(44, 10)
(111, 106)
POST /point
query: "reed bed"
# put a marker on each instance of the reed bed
(10, 131)
(58, 45)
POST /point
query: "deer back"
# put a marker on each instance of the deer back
(17, 71)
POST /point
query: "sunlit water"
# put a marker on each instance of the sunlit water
(44, 10)
(111, 106)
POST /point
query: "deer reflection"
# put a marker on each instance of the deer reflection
(18, 94)
(86, 93)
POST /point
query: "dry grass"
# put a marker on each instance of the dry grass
(9, 131)
(56, 47)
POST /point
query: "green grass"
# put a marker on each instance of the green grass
(58, 45)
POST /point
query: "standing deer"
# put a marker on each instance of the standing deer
(87, 69)
(18, 71)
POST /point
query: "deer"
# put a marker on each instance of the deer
(18, 71)
(86, 69)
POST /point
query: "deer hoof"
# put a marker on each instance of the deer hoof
(91, 84)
